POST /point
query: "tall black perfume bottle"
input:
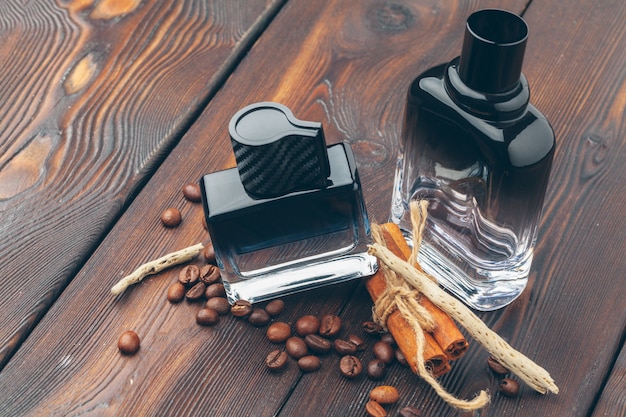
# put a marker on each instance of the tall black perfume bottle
(291, 216)
(480, 154)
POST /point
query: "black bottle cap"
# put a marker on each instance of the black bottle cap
(276, 153)
(493, 50)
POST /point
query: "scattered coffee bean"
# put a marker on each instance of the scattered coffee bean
(207, 317)
(258, 317)
(278, 332)
(343, 347)
(296, 347)
(309, 363)
(209, 274)
(401, 358)
(384, 352)
(371, 327)
(307, 325)
(189, 275)
(192, 192)
(317, 343)
(215, 290)
(357, 341)
(241, 308)
(275, 307)
(196, 292)
(409, 411)
(508, 387)
(171, 217)
(350, 366)
(330, 325)
(376, 369)
(384, 394)
(496, 367)
(388, 338)
(128, 342)
(176, 293)
(219, 304)
(276, 360)
(374, 409)
(209, 251)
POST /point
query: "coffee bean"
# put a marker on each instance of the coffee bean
(207, 317)
(376, 369)
(275, 307)
(276, 360)
(374, 409)
(219, 304)
(176, 293)
(209, 274)
(350, 366)
(357, 341)
(307, 325)
(317, 343)
(196, 292)
(258, 317)
(371, 327)
(384, 394)
(215, 290)
(496, 367)
(309, 363)
(388, 338)
(384, 352)
(209, 252)
(241, 308)
(296, 347)
(508, 387)
(410, 411)
(401, 358)
(192, 192)
(278, 332)
(128, 342)
(189, 275)
(343, 347)
(330, 325)
(171, 217)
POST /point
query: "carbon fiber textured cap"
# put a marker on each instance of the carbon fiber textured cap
(276, 153)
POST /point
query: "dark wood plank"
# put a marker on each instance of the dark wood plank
(94, 94)
(613, 401)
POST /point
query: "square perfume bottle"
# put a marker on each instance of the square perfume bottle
(291, 216)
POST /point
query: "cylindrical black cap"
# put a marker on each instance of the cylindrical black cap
(276, 153)
(493, 50)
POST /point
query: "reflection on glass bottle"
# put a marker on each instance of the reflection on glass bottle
(480, 154)
(291, 216)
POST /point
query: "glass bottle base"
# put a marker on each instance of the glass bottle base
(276, 284)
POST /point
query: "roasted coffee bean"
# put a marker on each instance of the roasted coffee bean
(376, 369)
(276, 360)
(171, 217)
(215, 290)
(388, 338)
(275, 307)
(357, 341)
(296, 347)
(401, 358)
(496, 367)
(384, 352)
(508, 387)
(278, 332)
(371, 327)
(307, 325)
(176, 293)
(196, 292)
(330, 325)
(409, 411)
(241, 308)
(219, 304)
(343, 347)
(128, 342)
(189, 275)
(317, 343)
(309, 363)
(207, 317)
(384, 394)
(192, 192)
(209, 252)
(350, 366)
(209, 274)
(258, 317)
(374, 409)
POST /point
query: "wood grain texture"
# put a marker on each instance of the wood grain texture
(93, 94)
(613, 401)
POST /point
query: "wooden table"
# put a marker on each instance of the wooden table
(108, 107)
